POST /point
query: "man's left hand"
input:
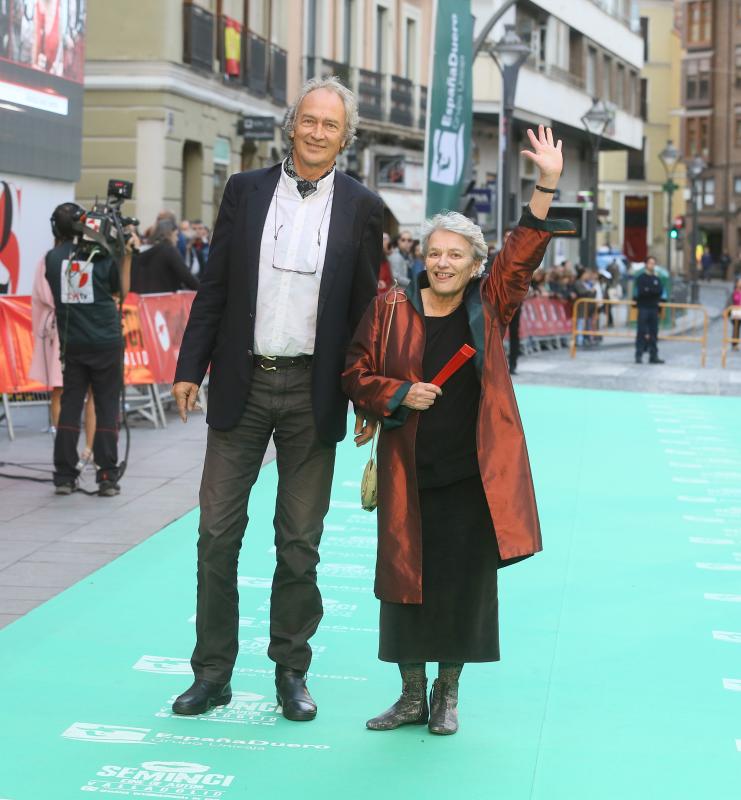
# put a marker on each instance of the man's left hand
(364, 429)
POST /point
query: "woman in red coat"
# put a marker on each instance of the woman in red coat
(455, 494)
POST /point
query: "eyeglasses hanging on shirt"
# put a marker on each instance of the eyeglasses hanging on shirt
(277, 229)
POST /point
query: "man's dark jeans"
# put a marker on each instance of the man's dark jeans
(100, 370)
(648, 331)
(279, 403)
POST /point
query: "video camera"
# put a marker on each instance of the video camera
(103, 226)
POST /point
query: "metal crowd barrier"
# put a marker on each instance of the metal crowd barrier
(732, 340)
(584, 302)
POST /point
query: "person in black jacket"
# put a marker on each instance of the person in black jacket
(293, 266)
(85, 292)
(647, 294)
(161, 268)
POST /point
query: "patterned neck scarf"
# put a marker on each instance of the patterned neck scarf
(305, 188)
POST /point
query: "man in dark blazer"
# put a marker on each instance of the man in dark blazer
(293, 265)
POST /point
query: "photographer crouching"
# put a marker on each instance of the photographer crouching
(87, 273)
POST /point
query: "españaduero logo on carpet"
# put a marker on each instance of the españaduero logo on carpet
(125, 734)
(170, 779)
(163, 664)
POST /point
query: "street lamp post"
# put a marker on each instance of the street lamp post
(596, 121)
(695, 167)
(669, 157)
(509, 53)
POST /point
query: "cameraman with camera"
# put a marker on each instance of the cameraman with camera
(87, 272)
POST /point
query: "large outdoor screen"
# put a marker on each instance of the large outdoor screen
(42, 57)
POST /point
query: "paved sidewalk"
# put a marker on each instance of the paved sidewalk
(48, 543)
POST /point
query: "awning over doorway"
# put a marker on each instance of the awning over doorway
(405, 206)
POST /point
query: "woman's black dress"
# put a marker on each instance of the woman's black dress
(458, 618)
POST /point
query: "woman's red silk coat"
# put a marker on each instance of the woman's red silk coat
(502, 454)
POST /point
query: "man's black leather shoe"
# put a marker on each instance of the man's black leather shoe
(292, 695)
(202, 696)
(656, 361)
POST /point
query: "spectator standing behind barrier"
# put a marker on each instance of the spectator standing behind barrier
(647, 293)
(45, 365)
(418, 261)
(91, 348)
(584, 288)
(400, 259)
(161, 268)
(385, 278)
(201, 244)
(736, 312)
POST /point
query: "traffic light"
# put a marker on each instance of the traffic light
(675, 232)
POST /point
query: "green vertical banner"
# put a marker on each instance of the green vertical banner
(450, 106)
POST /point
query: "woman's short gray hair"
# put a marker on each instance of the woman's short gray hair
(334, 85)
(456, 223)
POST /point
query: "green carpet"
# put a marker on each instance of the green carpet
(621, 643)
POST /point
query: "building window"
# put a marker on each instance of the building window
(738, 130)
(738, 66)
(620, 87)
(644, 35)
(738, 12)
(381, 18)
(591, 72)
(637, 163)
(644, 100)
(708, 192)
(410, 49)
(347, 33)
(699, 22)
(697, 81)
(697, 131)
(607, 78)
(737, 184)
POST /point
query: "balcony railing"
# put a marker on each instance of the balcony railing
(256, 63)
(384, 98)
(278, 73)
(422, 114)
(402, 101)
(370, 94)
(317, 67)
(198, 37)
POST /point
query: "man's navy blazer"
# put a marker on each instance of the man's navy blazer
(221, 327)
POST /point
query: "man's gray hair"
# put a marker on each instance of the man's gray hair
(334, 85)
(456, 223)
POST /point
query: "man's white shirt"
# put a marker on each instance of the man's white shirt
(287, 302)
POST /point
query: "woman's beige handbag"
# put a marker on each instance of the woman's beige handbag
(369, 482)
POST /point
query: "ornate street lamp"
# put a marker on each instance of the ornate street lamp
(695, 167)
(669, 157)
(596, 121)
(509, 53)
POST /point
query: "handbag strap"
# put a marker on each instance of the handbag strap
(383, 360)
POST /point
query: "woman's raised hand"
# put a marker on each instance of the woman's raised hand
(545, 155)
(421, 396)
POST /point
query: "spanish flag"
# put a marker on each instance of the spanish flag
(232, 46)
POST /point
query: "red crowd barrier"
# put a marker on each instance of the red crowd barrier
(153, 328)
(544, 317)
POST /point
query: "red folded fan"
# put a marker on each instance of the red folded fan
(455, 363)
